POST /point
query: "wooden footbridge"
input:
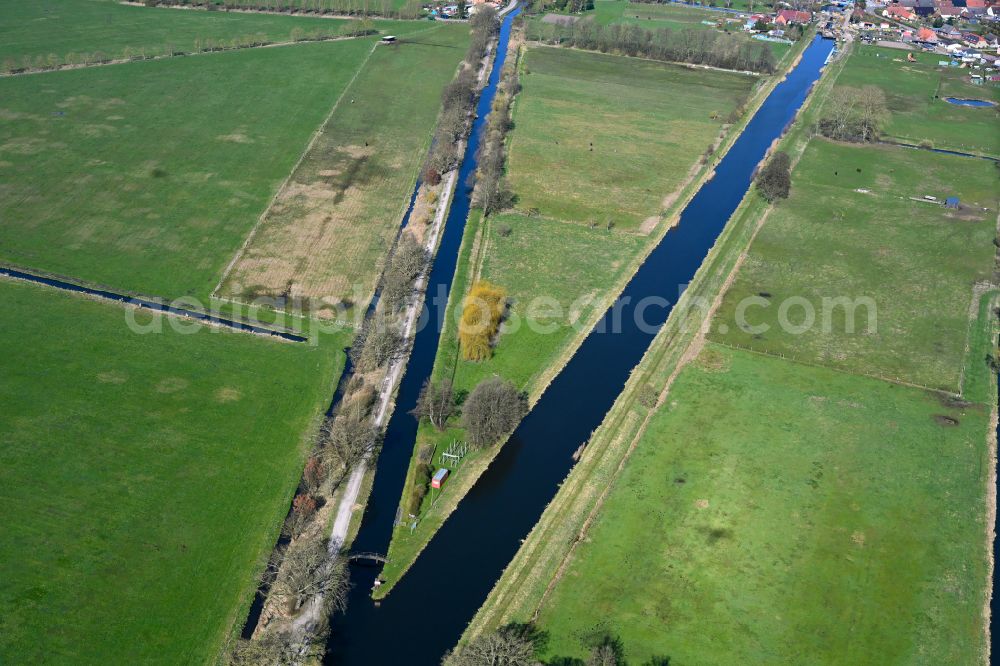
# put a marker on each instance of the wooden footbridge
(367, 557)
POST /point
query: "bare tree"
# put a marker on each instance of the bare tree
(309, 570)
(436, 403)
(608, 652)
(346, 441)
(269, 649)
(378, 343)
(512, 645)
(492, 410)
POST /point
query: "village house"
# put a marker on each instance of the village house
(926, 36)
(899, 13)
(919, 7)
(790, 16)
(948, 10)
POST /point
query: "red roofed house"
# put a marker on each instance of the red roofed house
(948, 10)
(926, 35)
(790, 16)
(899, 12)
(975, 3)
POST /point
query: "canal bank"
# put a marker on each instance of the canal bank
(461, 564)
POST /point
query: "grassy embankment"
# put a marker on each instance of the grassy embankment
(887, 550)
(571, 98)
(330, 227)
(915, 92)
(145, 477)
(148, 176)
(69, 31)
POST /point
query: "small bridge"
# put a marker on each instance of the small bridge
(367, 557)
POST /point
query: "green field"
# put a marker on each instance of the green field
(333, 224)
(148, 176)
(915, 93)
(70, 31)
(554, 273)
(600, 139)
(654, 16)
(850, 229)
(773, 511)
(144, 477)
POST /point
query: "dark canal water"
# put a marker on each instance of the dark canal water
(428, 610)
(156, 306)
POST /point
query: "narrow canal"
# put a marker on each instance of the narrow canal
(429, 608)
(154, 305)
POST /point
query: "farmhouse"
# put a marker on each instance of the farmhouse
(900, 13)
(926, 36)
(790, 16)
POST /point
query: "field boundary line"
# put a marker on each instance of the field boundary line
(185, 54)
(284, 184)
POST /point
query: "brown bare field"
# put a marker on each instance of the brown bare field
(326, 235)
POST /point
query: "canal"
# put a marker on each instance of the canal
(430, 607)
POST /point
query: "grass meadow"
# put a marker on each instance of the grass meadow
(67, 31)
(148, 176)
(570, 266)
(144, 477)
(340, 211)
(850, 229)
(835, 520)
(603, 138)
(915, 93)
(653, 16)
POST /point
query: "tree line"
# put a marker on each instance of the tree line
(698, 47)
(410, 10)
(490, 193)
(459, 98)
(518, 644)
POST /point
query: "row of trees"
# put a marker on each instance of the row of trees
(411, 10)
(491, 194)
(700, 47)
(519, 645)
(484, 308)
(488, 413)
(855, 114)
(459, 98)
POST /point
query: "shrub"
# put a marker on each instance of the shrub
(481, 315)
(774, 181)
(492, 410)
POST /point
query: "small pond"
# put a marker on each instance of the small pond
(968, 102)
